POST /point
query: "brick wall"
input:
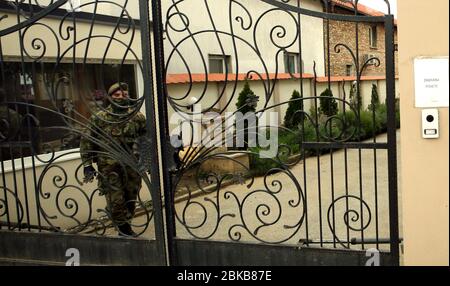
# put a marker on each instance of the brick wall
(341, 32)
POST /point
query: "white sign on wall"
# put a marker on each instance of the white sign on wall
(431, 82)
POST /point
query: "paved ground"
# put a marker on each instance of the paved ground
(286, 207)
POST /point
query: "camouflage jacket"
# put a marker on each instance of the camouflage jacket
(109, 135)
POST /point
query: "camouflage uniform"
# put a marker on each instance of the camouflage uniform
(119, 183)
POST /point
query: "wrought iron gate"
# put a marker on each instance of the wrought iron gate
(59, 63)
(205, 200)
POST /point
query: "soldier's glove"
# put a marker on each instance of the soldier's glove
(89, 174)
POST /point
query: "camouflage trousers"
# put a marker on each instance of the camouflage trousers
(120, 185)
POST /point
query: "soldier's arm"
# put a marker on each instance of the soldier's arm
(87, 145)
(142, 124)
(141, 143)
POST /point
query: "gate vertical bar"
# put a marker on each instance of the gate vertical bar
(392, 138)
(164, 128)
(150, 107)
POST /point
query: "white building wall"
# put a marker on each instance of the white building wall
(63, 46)
(248, 52)
(365, 89)
(281, 95)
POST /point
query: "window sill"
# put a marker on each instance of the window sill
(58, 157)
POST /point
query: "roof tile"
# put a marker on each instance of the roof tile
(361, 8)
(200, 78)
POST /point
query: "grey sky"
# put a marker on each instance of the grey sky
(380, 5)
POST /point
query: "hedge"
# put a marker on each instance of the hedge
(341, 124)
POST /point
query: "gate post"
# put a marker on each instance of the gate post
(163, 126)
(150, 108)
(392, 138)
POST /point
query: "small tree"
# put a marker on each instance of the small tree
(355, 99)
(374, 100)
(247, 102)
(246, 96)
(328, 104)
(293, 119)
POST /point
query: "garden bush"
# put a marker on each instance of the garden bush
(291, 119)
(246, 103)
(346, 125)
(245, 95)
(328, 105)
(290, 138)
(381, 117)
(374, 99)
(260, 166)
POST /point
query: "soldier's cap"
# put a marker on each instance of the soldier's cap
(115, 87)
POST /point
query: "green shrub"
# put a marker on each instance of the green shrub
(246, 103)
(346, 125)
(291, 119)
(374, 99)
(291, 139)
(308, 132)
(313, 110)
(368, 127)
(260, 166)
(381, 117)
(328, 105)
(360, 128)
(332, 130)
(243, 100)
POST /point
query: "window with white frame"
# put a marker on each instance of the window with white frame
(292, 63)
(219, 64)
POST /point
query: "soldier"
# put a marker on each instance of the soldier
(115, 126)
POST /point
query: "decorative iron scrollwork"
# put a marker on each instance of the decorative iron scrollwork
(215, 206)
(53, 55)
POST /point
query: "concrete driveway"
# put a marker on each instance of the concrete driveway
(351, 201)
(294, 206)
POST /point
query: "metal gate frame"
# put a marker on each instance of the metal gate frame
(167, 249)
(20, 247)
(205, 252)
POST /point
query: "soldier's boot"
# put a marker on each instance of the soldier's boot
(126, 230)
